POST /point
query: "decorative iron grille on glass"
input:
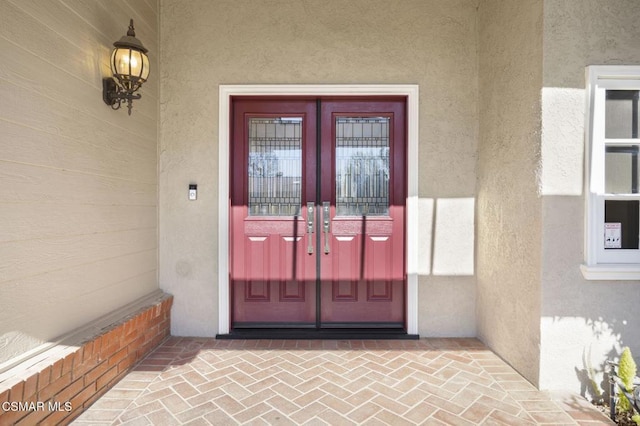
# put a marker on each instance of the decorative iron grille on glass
(275, 166)
(362, 166)
(130, 67)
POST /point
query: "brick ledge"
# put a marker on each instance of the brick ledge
(84, 364)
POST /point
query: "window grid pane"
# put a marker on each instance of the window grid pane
(622, 224)
(621, 169)
(621, 114)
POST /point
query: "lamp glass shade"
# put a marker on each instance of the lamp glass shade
(130, 67)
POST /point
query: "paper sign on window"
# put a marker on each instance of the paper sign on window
(613, 235)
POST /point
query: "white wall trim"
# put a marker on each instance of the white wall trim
(225, 94)
(611, 272)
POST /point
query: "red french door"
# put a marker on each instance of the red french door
(318, 192)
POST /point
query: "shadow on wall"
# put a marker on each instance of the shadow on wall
(594, 381)
(588, 343)
(591, 387)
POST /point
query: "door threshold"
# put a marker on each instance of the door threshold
(317, 334)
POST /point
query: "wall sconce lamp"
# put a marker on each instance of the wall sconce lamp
(130, 68)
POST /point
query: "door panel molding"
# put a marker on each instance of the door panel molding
(226, 92)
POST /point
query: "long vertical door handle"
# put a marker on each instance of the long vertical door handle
(310, 225)
(326, 220)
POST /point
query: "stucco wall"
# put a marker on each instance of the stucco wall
(509, 211)
(78, 181)
(205, 44)
(583, 322)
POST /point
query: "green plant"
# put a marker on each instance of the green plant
(636, 418)
(626, 373)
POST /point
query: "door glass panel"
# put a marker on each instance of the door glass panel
(362, 166)
(621, 114)
(621, 169)
(275, 166)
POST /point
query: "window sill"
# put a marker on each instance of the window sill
(611, 272)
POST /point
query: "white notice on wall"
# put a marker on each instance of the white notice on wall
(613, 235)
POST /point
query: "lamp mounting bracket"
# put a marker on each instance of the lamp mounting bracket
(113, 95)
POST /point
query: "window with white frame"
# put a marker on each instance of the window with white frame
(612, 240)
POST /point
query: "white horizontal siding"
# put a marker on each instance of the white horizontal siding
(33, 257)
(78, 181)
(46, 220)
(41, 184)
(121, 276)
(30, 146)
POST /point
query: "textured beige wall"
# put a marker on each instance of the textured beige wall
(509, 211)
(205, 44)
(78, 181)
(583, 322)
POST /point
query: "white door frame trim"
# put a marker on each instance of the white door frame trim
(411, 91)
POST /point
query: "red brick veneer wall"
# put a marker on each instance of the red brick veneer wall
(75, 381)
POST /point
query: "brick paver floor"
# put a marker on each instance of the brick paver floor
(330, 382)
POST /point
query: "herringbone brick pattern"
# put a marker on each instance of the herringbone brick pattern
(307, 382)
